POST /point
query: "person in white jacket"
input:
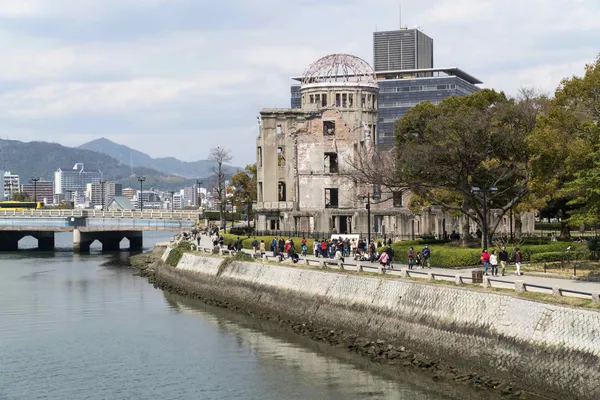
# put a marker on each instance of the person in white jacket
(494, 263)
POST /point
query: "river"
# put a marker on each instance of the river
(84, 327)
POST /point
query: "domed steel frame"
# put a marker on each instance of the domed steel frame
(337, 68)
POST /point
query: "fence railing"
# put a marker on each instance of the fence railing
(518, 286)
(151, 214)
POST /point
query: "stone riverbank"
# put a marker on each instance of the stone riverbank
(489, 341)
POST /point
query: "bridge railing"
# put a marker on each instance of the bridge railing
(150, 214)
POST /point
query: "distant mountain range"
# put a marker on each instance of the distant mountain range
(168, 165)
(42, 159)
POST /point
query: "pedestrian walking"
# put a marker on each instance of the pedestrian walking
(262, 248)
(485, 260)
(390, 253)
(411, 258)
(274, 246)
(518, 262)
(494, 263)
(426, 253)
(503, 259)
(254, 245)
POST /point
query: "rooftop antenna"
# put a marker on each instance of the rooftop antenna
(400, 15)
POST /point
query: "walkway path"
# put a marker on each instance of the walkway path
(509, 278)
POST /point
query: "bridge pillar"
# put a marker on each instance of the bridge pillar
(9, 241)
(45, 240)
(82, 241)
(136, 240)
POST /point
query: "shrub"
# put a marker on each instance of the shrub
(550, 256)
(214, 216)
(177, 252)
(247, 242)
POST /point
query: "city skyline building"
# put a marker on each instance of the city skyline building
(402, 49)
(43, 191)
(70, 180)
(11, 184)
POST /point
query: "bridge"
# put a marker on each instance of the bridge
(108, 227)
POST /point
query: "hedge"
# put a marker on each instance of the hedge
(214, 216)
(550, 256)
(247, 242)
(450, 256)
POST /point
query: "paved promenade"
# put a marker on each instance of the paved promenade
(510, 278)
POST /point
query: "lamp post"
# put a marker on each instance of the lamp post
(102, 182)
(35, 181)
(172, 197)
(198, 198)
(141, 180)
(511, 224)
(484, 192)
(368, 207)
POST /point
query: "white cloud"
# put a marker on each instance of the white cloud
(200, 71)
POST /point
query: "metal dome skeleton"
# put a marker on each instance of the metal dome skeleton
(339, 69)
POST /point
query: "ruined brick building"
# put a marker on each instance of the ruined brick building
(305, 156)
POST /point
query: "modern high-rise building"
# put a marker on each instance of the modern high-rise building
(402, 49)
(190, 196)
(11, 184)
(406, 76)
(100, 194)
(70, 180)
(401, 90)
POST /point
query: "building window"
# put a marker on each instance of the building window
(337, 100)
(397, 199)
(260, 191)
(274, 224)
(259, 156)
(331, 163)
(281, 191)
(328, 128)
(324, 100)
(344, 100)
(363, 99)
(280, 157)
(350, 100)
(331, 198)
(312, 99)
(279, 130)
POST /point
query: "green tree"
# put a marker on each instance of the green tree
(566, 150)
(20, 196)
(479, 140)
(243, 186)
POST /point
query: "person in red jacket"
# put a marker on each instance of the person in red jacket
(518, 262)
(485, 258)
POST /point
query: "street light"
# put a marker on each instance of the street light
(35, 181)
(484, 192)
(368, 207)
(102, 192)
(172, 196)
(141, 179)
(198, 198)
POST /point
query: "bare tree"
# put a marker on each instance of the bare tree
(220, 156)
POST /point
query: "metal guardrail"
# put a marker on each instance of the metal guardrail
(518, 286)
(158, 214)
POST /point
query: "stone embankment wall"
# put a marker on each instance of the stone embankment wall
(551, 349)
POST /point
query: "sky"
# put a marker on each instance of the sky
(178, 77)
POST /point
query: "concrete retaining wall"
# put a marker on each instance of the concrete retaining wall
(551, 349)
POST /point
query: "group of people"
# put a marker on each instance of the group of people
(492, 260)
(419, 258)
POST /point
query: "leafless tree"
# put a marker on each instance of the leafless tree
(220, 156)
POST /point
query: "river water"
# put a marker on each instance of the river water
(84, 327)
